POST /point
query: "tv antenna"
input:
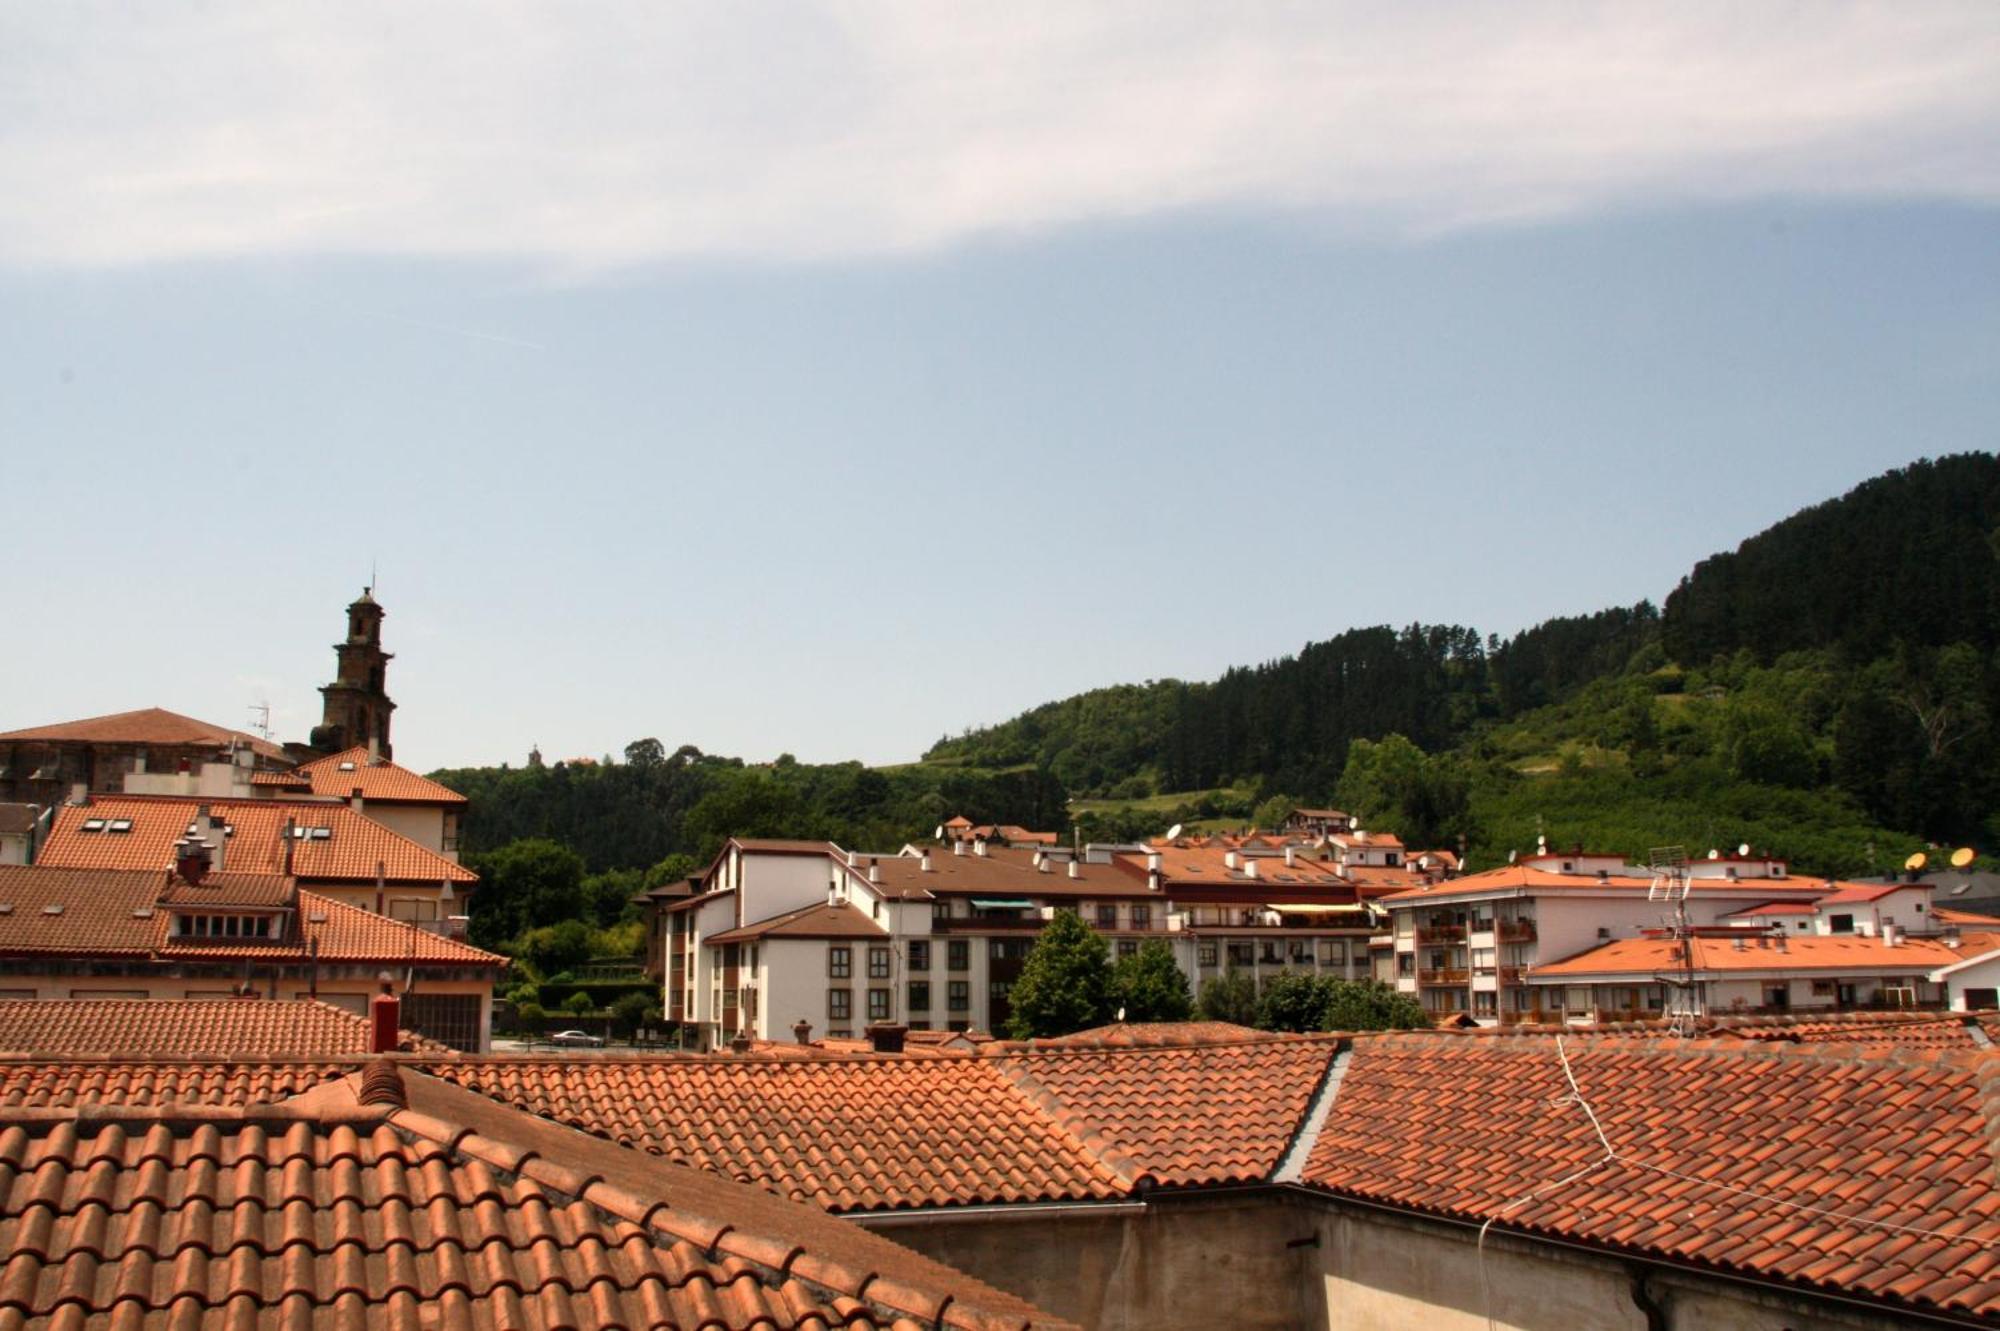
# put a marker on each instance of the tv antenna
(262, 711)
(1670, 885)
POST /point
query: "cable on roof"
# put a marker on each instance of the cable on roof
(1611, 1156)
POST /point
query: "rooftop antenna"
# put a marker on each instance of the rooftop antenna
(262, 711)
(1670, 884)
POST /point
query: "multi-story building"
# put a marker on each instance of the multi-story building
(933, 937)
(1467, 945)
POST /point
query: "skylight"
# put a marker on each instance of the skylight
(93, 825)
(121, 825)
(347, 767)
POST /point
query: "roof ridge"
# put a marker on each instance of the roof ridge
(1104, 1154)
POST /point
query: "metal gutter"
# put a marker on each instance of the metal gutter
(930, 1215)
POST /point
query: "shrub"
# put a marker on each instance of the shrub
(579, 1004)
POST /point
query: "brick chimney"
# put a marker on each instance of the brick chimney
(802, 1031)
(887, 1037)
(385, 1019)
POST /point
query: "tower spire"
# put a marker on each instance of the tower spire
(357, 703)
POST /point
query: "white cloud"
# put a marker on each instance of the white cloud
(585, 135)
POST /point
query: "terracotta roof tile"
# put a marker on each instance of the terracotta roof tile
(815, 921)
(341, 774)
(196, 1026)
(74, 1081)
(1796, 1163)
(1527, 877)
(354, 846)
(341, 1213)
(148, 725)
(1801, 952)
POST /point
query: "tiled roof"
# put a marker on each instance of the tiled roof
(378, 780)
(195, 1026)
(38, 1082)
(1946, 915)
(351, 852)
(1003, 871)
(1206, 1112)
(1777, 908)
(148, 725)
(848, 1134)
(343, 1208)
(1906, 1030)
(111, 914)
(1526, 877)
(1648, 956)
(1125, 1034)
(815, 921)
(1867, 1175)
(1855, 894)
(231, 889)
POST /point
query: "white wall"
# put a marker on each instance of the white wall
(1982, 975)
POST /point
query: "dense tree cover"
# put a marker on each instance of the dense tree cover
(1230, 996)
(1150, 986)
(639, 813)
(1292, 1001)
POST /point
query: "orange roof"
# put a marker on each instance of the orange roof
(387, 1199)
(1190, 867)
(1946, 915)
(1853, 894)
(89, 1082)
(110, 913)
(1776, 1162)
(341, 774)
(1003, 871)
(171, 1027)
(350, 852)
(1650, 956)
(148, 725)
(1365, 840)
(1528, 878)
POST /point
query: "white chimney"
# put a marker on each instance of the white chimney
(1229, 860)
(1291, 857)
(1042, 863)
(958, 848)
(1074, 870)
(1153, 861)
(979, 847)
(925, 863)
(1038, 857)
(1153, 881)
(1249, 867)
(874, 872)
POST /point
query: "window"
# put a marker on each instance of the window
(839, 1004)
(1333, 951)
(1301, 951)
(1142, 915)
(958, 956)
(412, 909)
(958, 1025)
(878, 963)
(920, 995)
(920, 956)
(1242, 954)
(1128, 947)
(1406, 963)
(1205, 954)
(1107, 917)
(878, 1005)
(1840, 924)
(958, 996)
(840, 962)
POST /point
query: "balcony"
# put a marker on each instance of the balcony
(1512, 974)
(988, 924)
(1441, 933)
(452, 926)
(1517, 931)
(1442, 977)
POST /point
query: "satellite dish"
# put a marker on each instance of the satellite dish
(1172, 832)
(1744, 850)
(1916, 861)
(1963, 856)
(1715, 854)
(1121, 1014)
(1512, 855)
(937, 834)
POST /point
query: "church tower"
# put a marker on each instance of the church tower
(357, 702)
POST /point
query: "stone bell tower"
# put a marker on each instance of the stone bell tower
(357, 702)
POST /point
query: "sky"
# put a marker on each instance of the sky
(827, 378)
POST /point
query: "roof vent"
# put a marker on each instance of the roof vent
(142, 912)
(6, 908)
(53, 908)
(347, 767)
(317, 917)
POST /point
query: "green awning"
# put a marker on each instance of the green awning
(985, 903)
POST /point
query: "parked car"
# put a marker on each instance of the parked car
(584, 1038)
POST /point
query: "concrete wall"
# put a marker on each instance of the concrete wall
(421, 823)
(1984, 975)
(1268, 1260)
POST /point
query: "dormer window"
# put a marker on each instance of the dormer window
(190, 925)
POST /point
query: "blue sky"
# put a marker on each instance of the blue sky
(819, 404)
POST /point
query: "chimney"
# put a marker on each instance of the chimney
(1153, 861)
(193, 860)
(924, 864)
(208, 828)
(374, 751)
(1074, 870)
(1042, 863)
(385, 1013)
(958, 847)
(887, 1037)
(1249, 867)
(740, 1043)
(1782, 946)
(1738, 944)
(979, 847)
(355, 802)
(1153, 880)
(1291, 857)
(287, 833)
(1229, 860)
(874, 872)
(1038, 857)
(802, 1031)
(1889, 938)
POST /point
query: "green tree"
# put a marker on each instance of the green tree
(1149, 986)
(1273, 811)
(628, 1011)
(555, 948)
(1231, 997)
(645, 753)
(1369, 1005)
(1065, 983)
(1425, 799)
(524, 883)
(1292, 1001)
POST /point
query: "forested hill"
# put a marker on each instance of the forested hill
(1848, 650)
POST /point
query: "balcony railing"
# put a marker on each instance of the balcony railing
(1441, 933)
(1448, 976)
(1511, 974)
(1517, 931)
